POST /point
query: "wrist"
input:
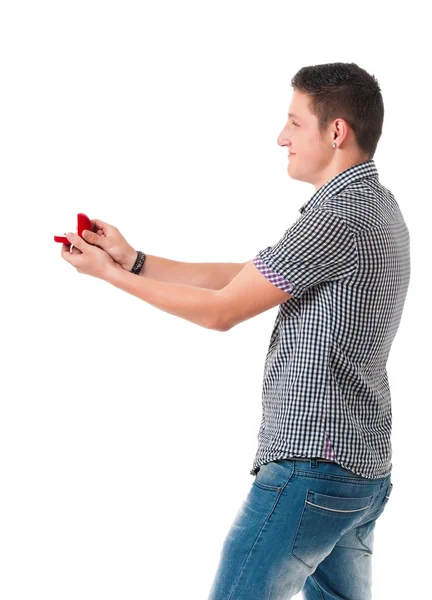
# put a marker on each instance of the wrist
(130, 260)
(139, 262)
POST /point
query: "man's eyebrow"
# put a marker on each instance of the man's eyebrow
(294, 116)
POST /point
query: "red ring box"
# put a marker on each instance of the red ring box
(83, 223)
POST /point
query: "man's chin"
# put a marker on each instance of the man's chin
(291, 171)
(293, 175)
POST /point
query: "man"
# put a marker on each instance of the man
(339, 275)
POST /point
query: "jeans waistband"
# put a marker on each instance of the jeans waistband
(318, 459)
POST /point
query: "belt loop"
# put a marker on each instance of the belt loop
(313, 462)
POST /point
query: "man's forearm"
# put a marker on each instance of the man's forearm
(195, 304)
(213, 276)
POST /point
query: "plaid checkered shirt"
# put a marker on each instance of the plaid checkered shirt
(325, 390)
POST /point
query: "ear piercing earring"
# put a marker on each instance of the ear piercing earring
(334, 144)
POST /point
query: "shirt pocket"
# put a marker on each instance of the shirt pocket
(323, 521)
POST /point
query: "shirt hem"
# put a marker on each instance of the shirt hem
(255, 470)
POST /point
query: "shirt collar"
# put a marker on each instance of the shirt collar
(341, 180)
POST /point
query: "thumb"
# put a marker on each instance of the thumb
(98, 224)
(75, 240)
(93, 238)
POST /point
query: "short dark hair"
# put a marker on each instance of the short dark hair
(344, 90)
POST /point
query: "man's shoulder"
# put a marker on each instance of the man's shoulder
(361, 205)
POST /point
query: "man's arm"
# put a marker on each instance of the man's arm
(213, 276)
(247, 295)
(196, 304)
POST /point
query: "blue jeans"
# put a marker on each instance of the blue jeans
(305, 525)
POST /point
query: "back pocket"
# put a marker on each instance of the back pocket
(323, 520)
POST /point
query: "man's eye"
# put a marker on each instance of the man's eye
(296, 124)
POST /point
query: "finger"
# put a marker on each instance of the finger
(65, 252)
(76, 240)
(94, 238)
(98, 224)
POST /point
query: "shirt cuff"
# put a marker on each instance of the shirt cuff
(272, 276)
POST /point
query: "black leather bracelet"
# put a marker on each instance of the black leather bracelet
(138, 263)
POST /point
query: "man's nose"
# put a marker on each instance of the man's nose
(282, 139)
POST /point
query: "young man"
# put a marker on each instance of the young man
(339, 275)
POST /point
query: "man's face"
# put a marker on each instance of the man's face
(313, 153)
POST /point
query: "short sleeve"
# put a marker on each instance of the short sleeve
(317, 248)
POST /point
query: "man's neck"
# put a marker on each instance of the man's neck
(337, 166)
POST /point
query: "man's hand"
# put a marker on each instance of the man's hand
(88, 259)
(110, 239)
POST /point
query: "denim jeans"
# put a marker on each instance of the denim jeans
(304, 525)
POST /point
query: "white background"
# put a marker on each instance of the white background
(127, 434)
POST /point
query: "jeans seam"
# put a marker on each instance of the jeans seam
(237, 581)
(318, 586)
(361, 541)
